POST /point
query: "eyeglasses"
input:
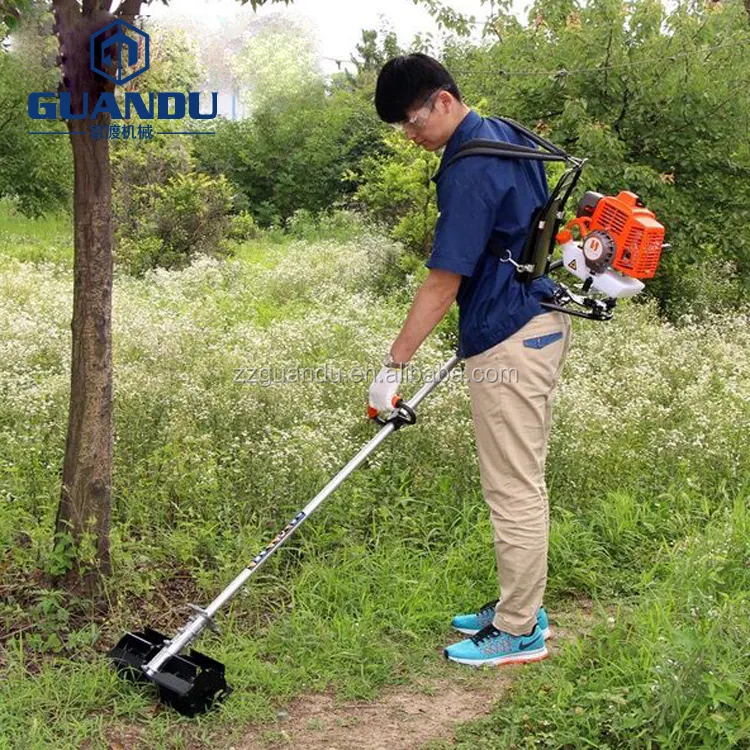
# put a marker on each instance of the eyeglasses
(419, 120)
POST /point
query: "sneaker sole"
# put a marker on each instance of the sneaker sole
(547, 632)
(499, 661)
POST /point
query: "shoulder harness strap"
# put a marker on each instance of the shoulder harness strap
(503, 149)
(545, 220)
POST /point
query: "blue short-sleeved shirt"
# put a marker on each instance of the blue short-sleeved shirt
(480, 196)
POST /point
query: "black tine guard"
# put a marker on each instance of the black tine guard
(189, 684)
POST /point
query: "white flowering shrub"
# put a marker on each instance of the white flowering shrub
(211, 457)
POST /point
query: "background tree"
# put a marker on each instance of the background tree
(164, 211)
(35, 172)
(306, 137)
(278, 62)
(652, 97)
(83, 517)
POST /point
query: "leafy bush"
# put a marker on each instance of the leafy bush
(141, 254)
(242, 227)
(191, 213)
(166, 212)
(292, 158)
(396, 188)
(135, 174)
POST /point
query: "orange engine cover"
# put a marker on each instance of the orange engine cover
(638, 235)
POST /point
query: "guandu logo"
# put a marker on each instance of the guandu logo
(127, 48)
(120, 42)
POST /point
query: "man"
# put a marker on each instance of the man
(503, 330)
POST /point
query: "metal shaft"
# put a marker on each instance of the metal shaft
(197, 623)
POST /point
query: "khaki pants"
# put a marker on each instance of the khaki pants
(512, 387)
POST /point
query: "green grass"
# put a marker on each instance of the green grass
(35, 240)
(648, 487)
(356, 615)
(673, 671)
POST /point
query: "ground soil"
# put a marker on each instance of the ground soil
(423, 714)
(399, 719)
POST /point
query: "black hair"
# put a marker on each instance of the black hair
(407, 80)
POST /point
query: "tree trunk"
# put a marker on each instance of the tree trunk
(83, 515)
(87, 472)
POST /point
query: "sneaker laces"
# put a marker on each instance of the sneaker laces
(490, 631)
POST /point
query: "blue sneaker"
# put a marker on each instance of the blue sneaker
(472, 624)
(494, 647)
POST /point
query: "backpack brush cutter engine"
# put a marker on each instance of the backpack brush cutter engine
(620, 240)
(620, 244)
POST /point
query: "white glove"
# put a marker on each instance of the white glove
(381, 396)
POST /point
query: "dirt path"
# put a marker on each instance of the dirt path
(422, 714)
(400, 718)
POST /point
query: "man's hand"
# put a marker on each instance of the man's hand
(432, 301)
(384, 389)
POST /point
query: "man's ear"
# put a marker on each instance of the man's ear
(446, 102)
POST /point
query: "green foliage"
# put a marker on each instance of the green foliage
(651, 97)
(277, 66)
(186, 216)
(37, 171)
(134, 169)
(192, 212)
(293, 157)
(176, 63)
(372, 54)
(138, 255)
(397, 189)
(449, 18)
(165, 211)
(242, 227)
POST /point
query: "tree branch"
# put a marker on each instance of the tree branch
(128, 9)
(606, 63)
(495, 26)
(623, 111)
